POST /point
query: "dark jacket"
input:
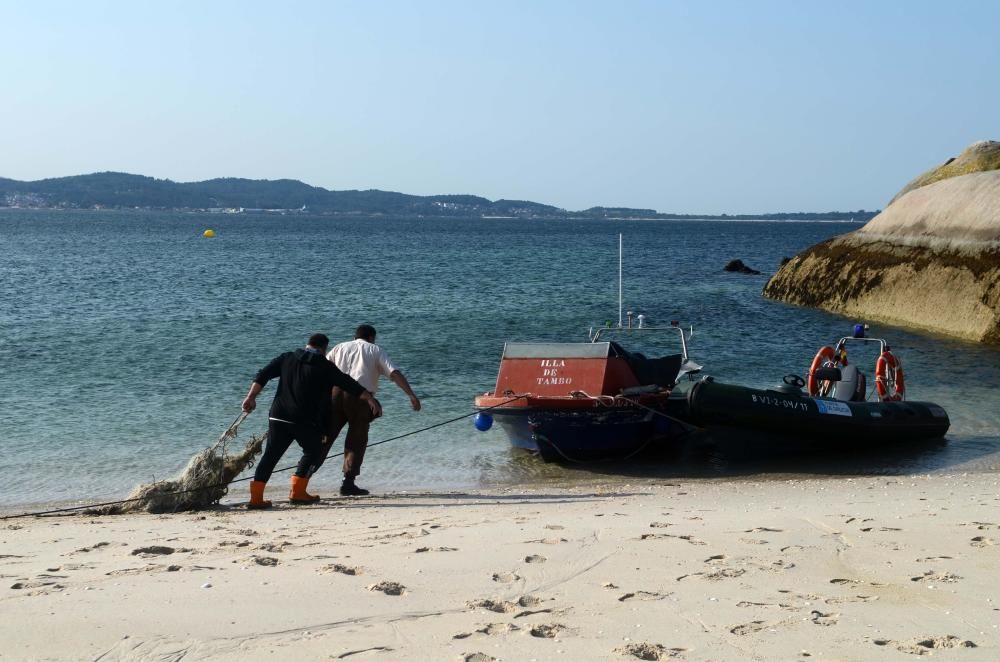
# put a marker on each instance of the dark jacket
(305, 380)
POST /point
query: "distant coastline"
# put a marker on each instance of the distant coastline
(112, 190)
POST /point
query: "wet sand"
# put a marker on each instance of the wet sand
(841, 569)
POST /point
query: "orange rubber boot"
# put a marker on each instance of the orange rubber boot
(257, 496)
(298, 494)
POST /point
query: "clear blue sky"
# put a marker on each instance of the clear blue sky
(681, 107)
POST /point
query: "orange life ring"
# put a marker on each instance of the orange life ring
(824, 357)
(889, 380)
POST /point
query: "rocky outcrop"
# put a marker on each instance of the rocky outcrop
(930, 260)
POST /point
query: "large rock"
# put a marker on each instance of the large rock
(930, 260)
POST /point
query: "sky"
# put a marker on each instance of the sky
(688, 107)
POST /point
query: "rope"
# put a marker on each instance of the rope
(226, 436)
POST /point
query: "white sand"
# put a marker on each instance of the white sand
(840, 569)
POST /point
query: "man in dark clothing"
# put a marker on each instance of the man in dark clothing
(300, 412)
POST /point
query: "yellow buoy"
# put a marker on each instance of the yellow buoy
(208, 233)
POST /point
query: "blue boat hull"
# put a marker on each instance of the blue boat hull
(587, 435)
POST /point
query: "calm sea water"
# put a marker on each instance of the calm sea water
(127, 340)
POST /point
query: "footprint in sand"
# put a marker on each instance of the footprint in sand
(376, 649)
(659, 525)
(134, 571)
(535, 558)
(851, 598)
(506, 577)
(156, 550)
(845, 582)
(274, 547)
(981, 541)
(749, 628)
(647, 651)
(37, 583)
(476, 657)
(421, 550)
(819, 618)
(715, 575)
(931, 576)
(389, 588)
(762, 529)
(342, 569)
(747, 603)
(490, 630)
(267, 561)
(547, 630)
(406, 535)
(643, 595)
(554, 527)
(926, 645)
(498, 628)
(93, 547)
(70, 566)
(498, 606)
(689, 539)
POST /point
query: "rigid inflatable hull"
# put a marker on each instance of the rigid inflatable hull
(713, 404)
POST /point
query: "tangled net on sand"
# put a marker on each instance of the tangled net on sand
(203, 481)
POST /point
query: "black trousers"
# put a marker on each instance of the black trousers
(279, 437)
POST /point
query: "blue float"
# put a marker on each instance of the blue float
(483, 421)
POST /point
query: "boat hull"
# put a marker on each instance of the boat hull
(715, 405)
(574, 430)
(610, 434)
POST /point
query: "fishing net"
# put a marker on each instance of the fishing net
(202, 483)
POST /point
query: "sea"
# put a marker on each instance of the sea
(128, 340)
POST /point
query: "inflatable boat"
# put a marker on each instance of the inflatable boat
(834, 403)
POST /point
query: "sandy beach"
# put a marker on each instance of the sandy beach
(834, 569)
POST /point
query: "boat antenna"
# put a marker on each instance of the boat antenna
(619, 280)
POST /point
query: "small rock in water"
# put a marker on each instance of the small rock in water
(737, 266)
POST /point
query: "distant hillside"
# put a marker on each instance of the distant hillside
(113, 190)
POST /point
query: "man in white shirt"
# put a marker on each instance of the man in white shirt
(365, 361)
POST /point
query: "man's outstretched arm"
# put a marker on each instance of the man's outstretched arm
(400, 380)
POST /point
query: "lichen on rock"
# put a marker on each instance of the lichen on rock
(981, 156)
